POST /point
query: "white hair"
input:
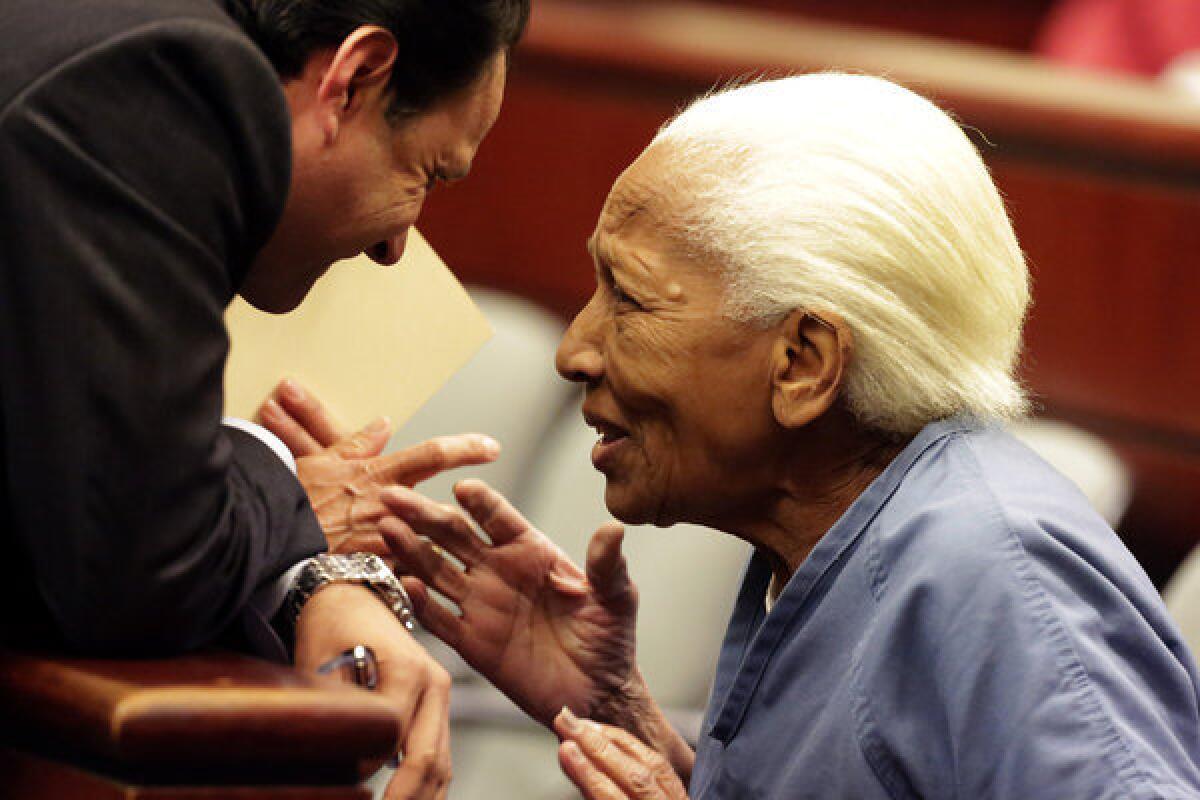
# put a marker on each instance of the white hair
(850, 194)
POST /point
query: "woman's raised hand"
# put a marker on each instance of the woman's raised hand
(542, 630)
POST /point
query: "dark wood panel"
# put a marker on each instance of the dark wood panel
(1012, 24)
(1112, 333)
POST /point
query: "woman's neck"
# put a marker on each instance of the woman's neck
(822, 481)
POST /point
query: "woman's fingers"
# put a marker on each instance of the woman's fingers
(606, 567)
(592, 782)
(658, 772)
(436, 618)
(632, 768)
(446, 526)
(491, 510)
(414, 464)
(423, 559)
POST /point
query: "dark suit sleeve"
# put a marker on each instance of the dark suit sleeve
(138, 180)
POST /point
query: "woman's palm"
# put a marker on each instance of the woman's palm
(533, 623)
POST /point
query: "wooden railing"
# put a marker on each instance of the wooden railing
(200, 726)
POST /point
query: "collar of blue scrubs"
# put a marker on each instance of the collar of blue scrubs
(751, 640)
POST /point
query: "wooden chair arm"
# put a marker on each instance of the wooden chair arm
(211, 718)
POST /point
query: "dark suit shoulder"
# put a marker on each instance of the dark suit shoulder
(181, 112)
(38, 36)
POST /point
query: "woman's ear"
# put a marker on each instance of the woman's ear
(808, 366)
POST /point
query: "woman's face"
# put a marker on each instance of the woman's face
(679, 393)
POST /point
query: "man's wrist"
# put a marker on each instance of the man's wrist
(365, 569)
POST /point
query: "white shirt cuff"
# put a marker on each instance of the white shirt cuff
(266, 437)
(267, 600)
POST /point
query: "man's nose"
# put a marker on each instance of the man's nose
(578, 358)
(388, 252)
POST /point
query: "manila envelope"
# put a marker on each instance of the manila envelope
(368, 340)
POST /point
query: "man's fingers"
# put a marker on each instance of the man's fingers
(491, 510)
(424, 771)
(446, 526)
(362, 542)
(274, 418)
(414, 464)
(365, 512)
(366, 443)
(304, 407)
(403, 700)
(422, 559)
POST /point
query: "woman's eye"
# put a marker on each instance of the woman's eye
(623, 298)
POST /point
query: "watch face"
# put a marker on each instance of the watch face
(365, 568)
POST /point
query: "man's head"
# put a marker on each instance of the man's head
(387, 98)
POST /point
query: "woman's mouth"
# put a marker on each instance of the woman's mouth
(612, 439)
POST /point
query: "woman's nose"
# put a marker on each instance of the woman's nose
(578, 357)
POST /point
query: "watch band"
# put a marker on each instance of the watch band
(366, 569)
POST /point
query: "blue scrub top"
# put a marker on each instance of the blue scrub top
(970, 628)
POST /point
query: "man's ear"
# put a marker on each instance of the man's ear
(808, 366)
(358, 72)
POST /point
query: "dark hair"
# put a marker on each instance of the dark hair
(444, 44)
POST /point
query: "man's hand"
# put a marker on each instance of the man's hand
(302, 423)
(607, 763)
(341, 615)
(343, 475)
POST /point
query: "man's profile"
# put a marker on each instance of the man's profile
(157, 159)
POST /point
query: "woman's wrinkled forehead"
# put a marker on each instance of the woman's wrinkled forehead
(647, 186)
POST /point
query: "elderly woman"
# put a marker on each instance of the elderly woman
(808, 310)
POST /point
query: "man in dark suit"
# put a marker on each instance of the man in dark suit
(155, 160)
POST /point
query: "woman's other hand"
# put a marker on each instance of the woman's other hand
(542, 630)
(608, 763)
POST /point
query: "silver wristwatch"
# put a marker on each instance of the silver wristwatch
(366, 569)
